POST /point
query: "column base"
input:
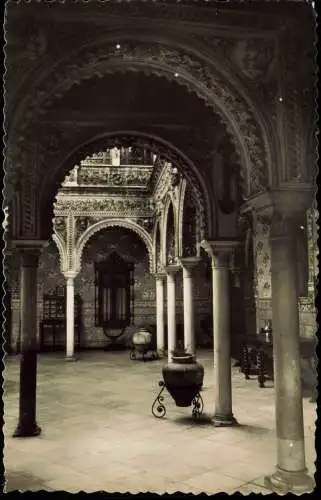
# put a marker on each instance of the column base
(224, 420)
(71, 358)
(283, 482)
(27, 430)
(161, 353)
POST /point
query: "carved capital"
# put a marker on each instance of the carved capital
(159, 275)
(172, 269)
(29, 251)
(220, 252)
(70, 275)
(190, 262)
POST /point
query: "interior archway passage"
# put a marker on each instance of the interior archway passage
(178, 125)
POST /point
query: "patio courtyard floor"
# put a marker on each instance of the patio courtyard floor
(98, 432)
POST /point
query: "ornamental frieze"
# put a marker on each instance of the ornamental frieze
(106, 205)
(114, 176)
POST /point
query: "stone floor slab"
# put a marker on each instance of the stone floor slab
(98, 432)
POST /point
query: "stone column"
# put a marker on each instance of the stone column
(291, 473)
(220, 253)
(171, 271)
(27, 425)
(70, 317)
(160, 326)
(189, 264)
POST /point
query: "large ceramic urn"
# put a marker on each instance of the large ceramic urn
(183, 378)
(142, 340)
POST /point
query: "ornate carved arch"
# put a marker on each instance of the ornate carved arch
(203, 77)
(103, 224)
(146, 141)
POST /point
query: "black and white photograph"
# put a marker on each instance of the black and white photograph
(160, 246)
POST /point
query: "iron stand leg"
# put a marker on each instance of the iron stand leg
(158, 408)
(198, 406)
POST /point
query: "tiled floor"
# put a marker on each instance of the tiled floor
(98, 432)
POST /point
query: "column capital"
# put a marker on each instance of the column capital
(190, 262)
(290, 200)
(172, 269)
(219, 251)
(29, 251)
(28, 246)
(70, 274)
(159, 275)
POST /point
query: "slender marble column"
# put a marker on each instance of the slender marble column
(27, 425)
(291, 473)
(171, 309)
(160, 326)
(189, 264)
(70, 318)
(220, 253)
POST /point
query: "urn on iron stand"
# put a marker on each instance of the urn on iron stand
(183, 378)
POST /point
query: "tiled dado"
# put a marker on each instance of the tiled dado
(307, 315)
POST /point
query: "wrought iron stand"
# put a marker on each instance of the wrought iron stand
(159, 409)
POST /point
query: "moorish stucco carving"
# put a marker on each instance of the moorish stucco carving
(103, 176)
(206, 81)
(110, 222)
(163, 151)
(108, 206)
(146, 223)
(80, 229)
(60, 226)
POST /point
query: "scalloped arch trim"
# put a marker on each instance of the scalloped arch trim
(106, 223)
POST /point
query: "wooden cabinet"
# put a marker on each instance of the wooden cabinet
(53, 323)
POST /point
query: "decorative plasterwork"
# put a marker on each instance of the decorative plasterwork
(205, 80)
(159, 147)
(104, 206)
(115, 177)
(102, 224)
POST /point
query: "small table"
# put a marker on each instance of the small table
(257, 357)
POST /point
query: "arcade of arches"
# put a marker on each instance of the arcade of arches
(150, 146)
